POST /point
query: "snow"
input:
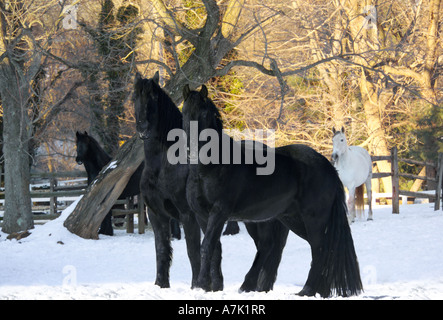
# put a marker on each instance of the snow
(400, 257)
(111, 166)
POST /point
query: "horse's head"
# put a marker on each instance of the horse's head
(339, 144)
(146, 103)
(197, 106)
(82, 143)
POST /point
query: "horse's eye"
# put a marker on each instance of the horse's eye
(341, 140)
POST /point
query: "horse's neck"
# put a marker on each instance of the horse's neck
(170, 118)
(343, 159)
(156, 154)
(99, 158)
(92, 170)
(228, 151)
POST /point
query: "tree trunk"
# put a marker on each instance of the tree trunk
(101, 195)
(16, 135)
(210, 49)
(378, 145)
(365, 39)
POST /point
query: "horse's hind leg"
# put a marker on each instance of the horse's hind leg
(268, 273)
(369, 193)
(106, 225)
(309, 289)
(175, 229)
(313, 233)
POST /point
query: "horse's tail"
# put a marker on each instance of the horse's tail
(359, 199)
(340, 271)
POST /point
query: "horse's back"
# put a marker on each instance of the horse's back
(357, 167)
(363, 154)
(313, 169)
(305, 155)
(363, 159)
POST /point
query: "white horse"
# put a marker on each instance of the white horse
(354, 167)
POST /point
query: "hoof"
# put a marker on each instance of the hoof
(203, 286)
(163, 285)
(217, 286)
(246, 288)
(306, 291)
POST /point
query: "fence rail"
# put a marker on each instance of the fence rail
(59, 192)
(395, 175)
(52, 192)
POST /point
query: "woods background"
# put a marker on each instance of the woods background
(299, 67)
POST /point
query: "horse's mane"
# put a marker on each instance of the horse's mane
(170, 116)
(218, 121)
(102, 157)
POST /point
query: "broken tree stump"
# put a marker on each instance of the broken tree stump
(102, 193)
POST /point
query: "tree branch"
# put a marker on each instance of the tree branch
(231, 17)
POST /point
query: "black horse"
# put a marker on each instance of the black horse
(94, 158)
(163, 184)
(303, 191)
(163, 187)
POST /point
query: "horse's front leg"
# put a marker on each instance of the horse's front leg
(210, 277)
(351, 205)
(192, 237)
(160, 225)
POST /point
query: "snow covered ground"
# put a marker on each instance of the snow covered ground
(400, 256)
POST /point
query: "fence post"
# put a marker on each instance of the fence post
(130, 217)
(438, 189)
(395, 181)
(52, 200)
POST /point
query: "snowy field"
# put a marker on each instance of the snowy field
(400, 256)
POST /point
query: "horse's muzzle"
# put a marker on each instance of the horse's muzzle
(334, 158)
(143, 135)
(79, 162)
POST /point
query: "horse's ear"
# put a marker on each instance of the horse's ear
(342, 129)
(333, 130)
(204, 91)
(77, 134)
(186, 91)
(156, 77)
(86, 133)
(138, 82)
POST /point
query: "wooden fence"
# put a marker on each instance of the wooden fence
(61, 190)
(395, 175)
(52, 192)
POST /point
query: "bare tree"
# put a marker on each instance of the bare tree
(26, 27)
(210, 44)
(19, 65)
(338, 48)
